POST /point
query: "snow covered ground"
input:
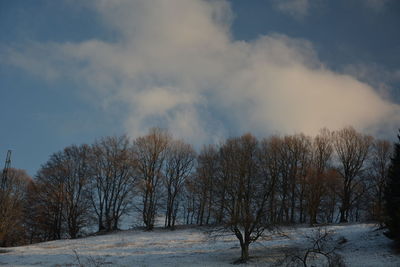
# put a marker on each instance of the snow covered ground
(193, 247)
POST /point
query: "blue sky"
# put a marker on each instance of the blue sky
(71, 72)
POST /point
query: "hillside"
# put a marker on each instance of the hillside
(363, 246)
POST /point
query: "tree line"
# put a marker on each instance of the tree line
(244, 183)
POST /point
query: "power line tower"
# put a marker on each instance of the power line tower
(5, 170)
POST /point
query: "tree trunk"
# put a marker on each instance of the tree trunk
(101, 226)
(344, 209)
(244, 253)
(343, 217)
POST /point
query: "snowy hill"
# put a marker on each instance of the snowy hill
(363, 246)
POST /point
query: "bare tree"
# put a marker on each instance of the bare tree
(179, 165)
(380, 162)
(48, 195)
(206, 171)
(321, 252)
(12, 203)
(247, 191)
(303, 152)
(76, 197)
(271, 168)
(295, 154)
(322, 150)
(333, 185)
(284, 180)
(62, 184)
(352, 149)
(150, 152)
(190, 200)
(113, 180)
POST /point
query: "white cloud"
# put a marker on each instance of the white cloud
(382, 79)
(176, 65)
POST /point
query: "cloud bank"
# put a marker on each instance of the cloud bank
(175, 64)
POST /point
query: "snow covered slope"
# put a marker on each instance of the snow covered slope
(193, 247)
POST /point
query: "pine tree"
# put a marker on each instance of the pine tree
(392, 196)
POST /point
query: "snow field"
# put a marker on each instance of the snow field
(194, 247)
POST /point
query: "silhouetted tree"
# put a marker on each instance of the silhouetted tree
(392, 195)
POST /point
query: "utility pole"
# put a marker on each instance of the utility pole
(5, 170)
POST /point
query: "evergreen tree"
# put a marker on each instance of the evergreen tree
(392, 195)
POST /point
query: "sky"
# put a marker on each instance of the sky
(73, 71)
